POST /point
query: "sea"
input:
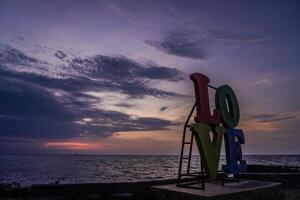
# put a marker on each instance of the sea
(46, 169)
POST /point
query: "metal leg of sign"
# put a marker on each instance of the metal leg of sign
(180, 175)
(194, 178)
(202, 175)
(222, 179)
(237, 177)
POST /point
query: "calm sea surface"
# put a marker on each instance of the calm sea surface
(33, 169)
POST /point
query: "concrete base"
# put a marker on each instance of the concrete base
(245, 189)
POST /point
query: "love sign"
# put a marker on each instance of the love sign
(221, 123)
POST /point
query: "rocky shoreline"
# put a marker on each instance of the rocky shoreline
(288, 176)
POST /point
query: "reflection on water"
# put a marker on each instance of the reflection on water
(33, 169)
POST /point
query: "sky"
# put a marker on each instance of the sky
(112, 76)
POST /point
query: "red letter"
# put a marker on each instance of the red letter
(202, 101)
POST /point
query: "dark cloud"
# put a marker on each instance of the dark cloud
(94, 73)
(9, 55)
(44, 107)
(125, 105)
(60, 55)
(262, 118)
(120, 67)
(183, 44)
(31, 111)
(194, 44)
(122, 74)
(163, 108)
(17, 39)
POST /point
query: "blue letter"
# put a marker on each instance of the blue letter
(233, 140)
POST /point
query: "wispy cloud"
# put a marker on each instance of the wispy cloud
(262, 118)
(183, 44)
(233, 38)
(89, 73)
(125, 105)
(267, 122)
(194, 44)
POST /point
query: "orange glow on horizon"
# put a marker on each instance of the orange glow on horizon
(73, 145)
(171, 135)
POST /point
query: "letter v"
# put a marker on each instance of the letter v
(209, 149)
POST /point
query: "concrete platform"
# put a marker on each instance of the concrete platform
(243, 190)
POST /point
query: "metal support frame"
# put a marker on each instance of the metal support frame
(195, 177)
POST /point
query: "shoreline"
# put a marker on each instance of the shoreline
(289, 177)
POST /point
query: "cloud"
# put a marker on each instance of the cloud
(43, 106)
(268, 122)
(120, 67)
(90, 73)
(182, 44)
(60, 55)
(194, 44)
(9, 55)
(263, 118)
(17, 38)
(32, 111)
(163, 108)
(122, 74)
(232, 38)
(124, 105)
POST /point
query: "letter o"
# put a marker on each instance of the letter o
(231, 113)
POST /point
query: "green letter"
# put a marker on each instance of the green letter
(209, 149)
(231, 114)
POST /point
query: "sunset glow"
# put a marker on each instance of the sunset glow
(72, 145)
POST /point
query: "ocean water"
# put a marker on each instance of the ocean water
(37, 169)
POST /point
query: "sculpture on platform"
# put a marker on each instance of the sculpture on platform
(221, 123)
